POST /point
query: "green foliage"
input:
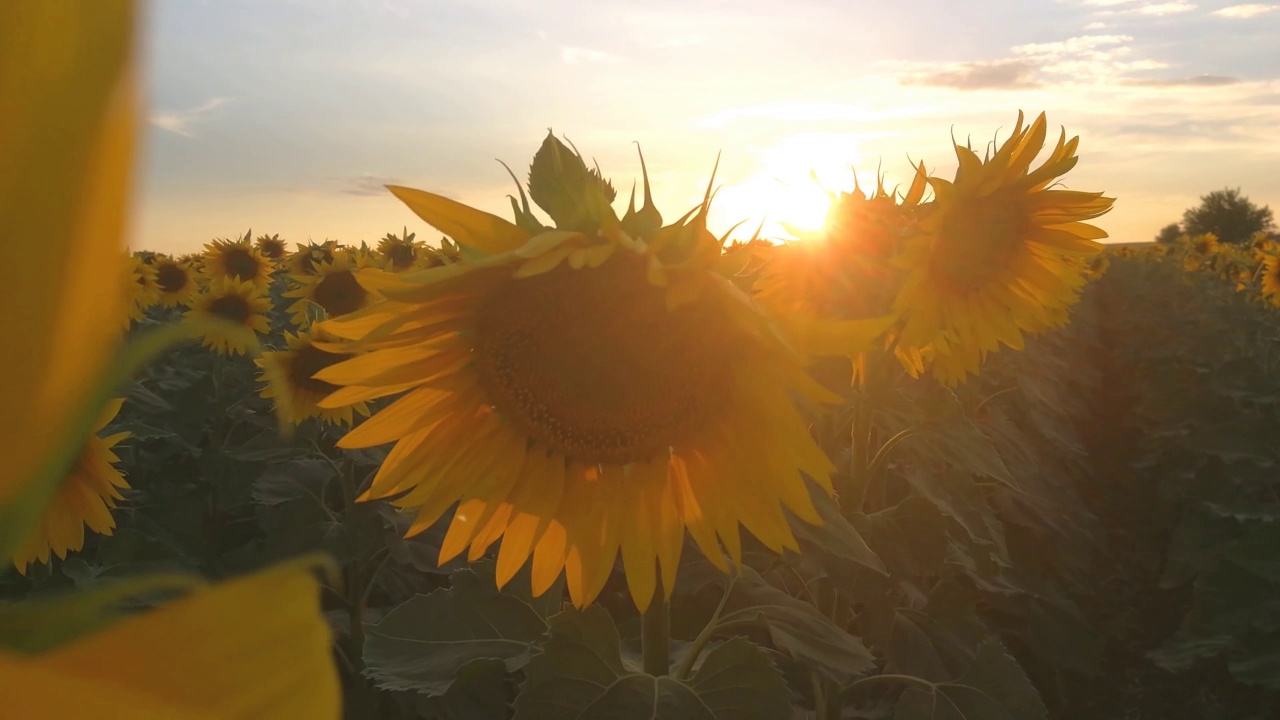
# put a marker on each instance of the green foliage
(1169, 233)
(1228, 214)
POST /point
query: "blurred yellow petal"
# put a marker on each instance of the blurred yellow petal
(67, 97)
(256, 646)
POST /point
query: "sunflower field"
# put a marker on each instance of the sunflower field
(950, 458)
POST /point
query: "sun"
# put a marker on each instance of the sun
(792, 187)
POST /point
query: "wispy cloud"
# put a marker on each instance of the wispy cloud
(185, 122)
(369, 185)
(1007, 74)
(1193, 81)
(1165, 8)
(1244, 12)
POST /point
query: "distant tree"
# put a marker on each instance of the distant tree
(1169, 233)
(1229, 215)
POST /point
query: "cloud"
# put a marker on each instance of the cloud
(1095, 26)
(1193, 81)
(184, 122)
(369, 185)
(1006, 74)
(1243, 12)
(573, 55)
(1165, 8)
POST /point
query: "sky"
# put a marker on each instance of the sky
(289, 116)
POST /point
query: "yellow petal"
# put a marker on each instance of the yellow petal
(469, 227)
(219, 652)
(67, 97)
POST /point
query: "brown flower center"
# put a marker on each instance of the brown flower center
(271, 247)
(977, 241)
(592, 363)
(231, 307)
(171, 277)
(309, 360)
(339, 293)
(240, 263)
(309, 256)
(401, 255)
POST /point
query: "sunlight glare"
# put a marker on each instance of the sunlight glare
(794, 183)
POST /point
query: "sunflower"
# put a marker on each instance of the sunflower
(580, 393)
(271, 247)
(292, 370)
(1270, 280)
(399, 253)
(996, 253)
(85, 499)
(175, 282)
(303, 261)
(240, 303)
(236, 260)
(839, 283)
(142, 291)
(340, 286)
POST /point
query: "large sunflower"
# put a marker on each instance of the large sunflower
(240, 303)
(339, 286)
(290, 371)
(580, 393)
(85, 499)
(175, 282)
(237, 260)
(998, 253)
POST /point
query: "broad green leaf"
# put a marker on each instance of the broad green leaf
(580, 675)
(797, 628)
(835, 538)
(956, 495)
(737, 681)
(479, 692)
(910, 537)
(423, 643)
(1260, 663)
(993, 688)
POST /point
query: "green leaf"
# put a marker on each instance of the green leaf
(479, 692)
(738, 681)
(560, 183)
(797, 628)
(994, 688)
(426, 641)
(836, 539)
(580, 674)
(955, 494)
(911, 537)
(1260, 664)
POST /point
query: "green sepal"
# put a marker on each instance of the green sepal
(571, 194)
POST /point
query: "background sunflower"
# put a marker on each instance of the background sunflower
(288, 377)
(241, 304)
(998, 253)
(175, 282)
(236, 260)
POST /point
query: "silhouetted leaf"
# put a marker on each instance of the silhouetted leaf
(993, 688)
(424, 643)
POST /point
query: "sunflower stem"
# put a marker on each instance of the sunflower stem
(655, 634)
